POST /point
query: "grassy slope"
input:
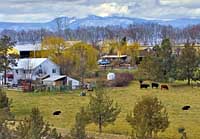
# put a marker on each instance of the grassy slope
(69, 104)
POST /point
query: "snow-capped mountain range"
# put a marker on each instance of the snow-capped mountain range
(92, 20)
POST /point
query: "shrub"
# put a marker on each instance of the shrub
(81, 120)
(5, 115)
(122, 79)
(148, 118)
(101, 109)
(101, 82)
(34, 127)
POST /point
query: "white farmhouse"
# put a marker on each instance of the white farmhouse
(33, 68)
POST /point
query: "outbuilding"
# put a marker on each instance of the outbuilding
(61, 80)
(111, 76)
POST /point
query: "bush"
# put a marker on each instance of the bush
(148, 118)
(81, 120)
(122, 79)
(5, 115)
(101, 82)
(34, 127)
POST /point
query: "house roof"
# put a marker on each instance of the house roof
(28, 47)
(37, 46)
(29, 63)
(114, 56)
(55, 78)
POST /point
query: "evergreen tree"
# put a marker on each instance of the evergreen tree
(150, 69)
(148, 118)
(159, 65)
(164, 53)
(82, 119)
(34, 127)
(54, 134)
(188, 63)
(5, 115)
(101, 109)
(6, 59)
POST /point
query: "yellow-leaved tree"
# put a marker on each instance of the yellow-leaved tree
(84, 58)
(111, 47)
(56, 49)
(133, 52)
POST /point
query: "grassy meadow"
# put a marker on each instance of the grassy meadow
(69, 103)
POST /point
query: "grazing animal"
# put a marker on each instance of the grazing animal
(185, 107)
(198, 84)
(144, 86)
(57, 113)
(83, 94)
(154, 85)
(164, 87)
(90, 89)
(141, 81)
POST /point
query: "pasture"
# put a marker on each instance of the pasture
(69, 103)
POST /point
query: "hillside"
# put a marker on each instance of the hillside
(94, 21)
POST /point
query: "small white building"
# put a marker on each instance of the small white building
(61, 80)
(33, 68)
(110, 76)
(73, 82)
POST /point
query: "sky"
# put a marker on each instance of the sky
(47, 10)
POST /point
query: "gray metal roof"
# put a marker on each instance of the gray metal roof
(28, 47)
(55, 78)
(29, 63)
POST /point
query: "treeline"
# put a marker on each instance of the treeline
(148, 34)
(162, 64)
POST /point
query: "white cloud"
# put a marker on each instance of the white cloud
(107, 9)
(180, 2)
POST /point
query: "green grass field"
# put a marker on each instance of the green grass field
(69, 104)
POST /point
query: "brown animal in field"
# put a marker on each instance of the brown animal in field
(163, 86)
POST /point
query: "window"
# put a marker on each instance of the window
(40, 71)
(53, 70)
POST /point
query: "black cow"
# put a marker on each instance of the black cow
(144, 86)
(154, 85)
(186, 108)
(141, 81)
(57, 113)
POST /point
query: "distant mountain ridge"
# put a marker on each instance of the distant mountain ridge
(94, 21)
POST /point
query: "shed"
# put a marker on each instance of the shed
(55, 80)
(61, 81)
(110, 76)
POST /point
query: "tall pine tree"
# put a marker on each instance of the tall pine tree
(188, 62)
(6, 59)
(102, 110)
(34, 127)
